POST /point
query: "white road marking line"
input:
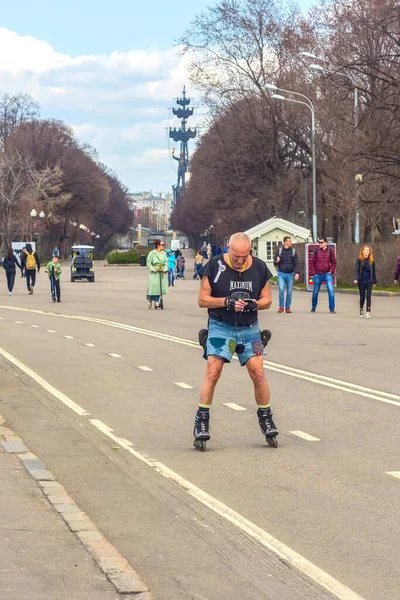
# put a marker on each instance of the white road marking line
(35, 326)
(143, 368)
(47, 386)
(305, 436)
(19, 322)
(394, 474)
(346, 386)
(51, 330)
(302, 564)
(115, 355)
(234, 406)
(264, 538)
(124, 443)
(299, 372)
(183, 385)
(89, 345)
(69, 337)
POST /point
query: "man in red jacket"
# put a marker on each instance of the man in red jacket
(322, 268)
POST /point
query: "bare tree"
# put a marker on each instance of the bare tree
(22, 187)
(15, 110)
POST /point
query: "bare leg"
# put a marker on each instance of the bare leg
(212, 374)
(261, 388)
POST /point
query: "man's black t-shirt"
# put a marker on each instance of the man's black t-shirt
(225, 281)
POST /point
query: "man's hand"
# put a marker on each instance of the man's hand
(277, 260)
(395, 282)
(296, 277)
(355, 282)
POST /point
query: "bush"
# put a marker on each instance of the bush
(385, 255)
(123, 258)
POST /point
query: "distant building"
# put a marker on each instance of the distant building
(151, 211)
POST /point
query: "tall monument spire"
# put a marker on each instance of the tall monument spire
(182, 135)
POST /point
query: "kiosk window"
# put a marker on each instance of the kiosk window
(271, 249)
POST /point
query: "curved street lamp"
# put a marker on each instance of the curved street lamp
(352, 79)
(305, 102)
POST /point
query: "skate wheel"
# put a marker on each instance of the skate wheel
(200, 445)
(272, 441)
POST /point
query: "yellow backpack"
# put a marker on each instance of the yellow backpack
(30, 262)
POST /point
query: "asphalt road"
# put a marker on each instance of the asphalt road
(333, 498)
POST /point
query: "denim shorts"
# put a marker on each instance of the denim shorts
(225, 340)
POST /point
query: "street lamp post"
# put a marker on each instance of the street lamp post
(352, 79)
(310, 106)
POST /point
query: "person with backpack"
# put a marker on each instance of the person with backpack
(9, 263)
(287, 263)
(30, 261)
(322, 268)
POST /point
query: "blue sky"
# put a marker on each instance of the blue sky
(108, 69)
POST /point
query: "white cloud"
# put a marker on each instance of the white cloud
(117, 102)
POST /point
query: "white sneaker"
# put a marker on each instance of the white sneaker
(10, 293)
(368, 315)
(361, 312)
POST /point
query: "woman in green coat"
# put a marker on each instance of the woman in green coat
(157, 261)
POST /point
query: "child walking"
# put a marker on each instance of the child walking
(54, 270)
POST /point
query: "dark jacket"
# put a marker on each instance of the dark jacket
(397, 271)
(9, 264)
(323, 261)
(289, 263)
(358, 271)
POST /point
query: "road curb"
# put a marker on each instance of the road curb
(354, 292)
(114, 566)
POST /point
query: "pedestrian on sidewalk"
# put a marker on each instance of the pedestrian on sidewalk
(171, 267)
(365, 278)
(30, 261)
(54, 270)
(397, 272)
(56, 252)
(198, 264)
(209, 251)
(157, 262)
(10, 263)
(322, 268)
(180, 265)
(287, 263)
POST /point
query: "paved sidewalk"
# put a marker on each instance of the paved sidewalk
(40, 557)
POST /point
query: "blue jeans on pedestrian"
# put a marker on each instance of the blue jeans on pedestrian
(171, 276)
(329, 286)
(285, 280)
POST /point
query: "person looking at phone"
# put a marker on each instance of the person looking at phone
(234, 287)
